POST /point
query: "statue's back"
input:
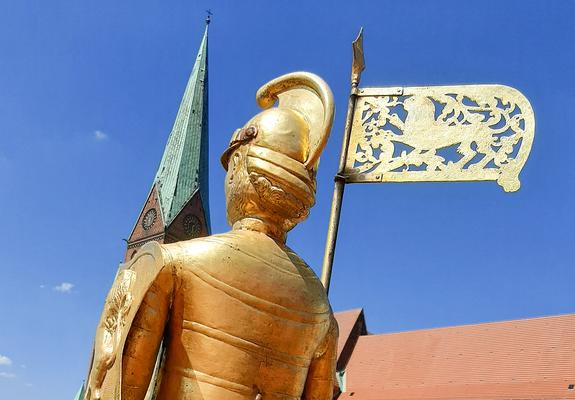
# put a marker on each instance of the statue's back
(247, 318)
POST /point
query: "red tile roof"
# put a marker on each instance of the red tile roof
(522, 359)
(351, 325)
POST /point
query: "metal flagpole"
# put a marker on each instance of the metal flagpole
(357, 67)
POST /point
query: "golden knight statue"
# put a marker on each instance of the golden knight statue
(239, 315)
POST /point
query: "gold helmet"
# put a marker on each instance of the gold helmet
(284, 143)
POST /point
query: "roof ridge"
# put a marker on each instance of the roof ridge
(359, 309)
(472, 324)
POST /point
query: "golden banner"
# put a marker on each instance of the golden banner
(440, 134)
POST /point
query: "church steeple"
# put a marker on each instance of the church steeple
(177, 206)
(184, 167)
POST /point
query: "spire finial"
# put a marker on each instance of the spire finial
(208, 16)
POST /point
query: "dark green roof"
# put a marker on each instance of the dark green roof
(183, 170)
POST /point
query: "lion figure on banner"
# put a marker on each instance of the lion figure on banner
(426, 134)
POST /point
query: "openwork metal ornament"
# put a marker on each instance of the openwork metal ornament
(112, 329)
(440, 133)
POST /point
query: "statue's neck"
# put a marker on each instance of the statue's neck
(258, 225)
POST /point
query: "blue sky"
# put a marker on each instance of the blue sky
(88, 93)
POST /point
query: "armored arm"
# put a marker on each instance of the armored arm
(144, 338)
(321, 374)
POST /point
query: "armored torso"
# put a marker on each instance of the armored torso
(247, 317)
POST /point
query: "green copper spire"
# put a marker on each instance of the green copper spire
(183, 170)
(80, 394)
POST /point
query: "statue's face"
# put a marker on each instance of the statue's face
(230, 185)
(238, 190)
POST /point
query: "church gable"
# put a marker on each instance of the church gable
(149, 226)
(190, 222)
